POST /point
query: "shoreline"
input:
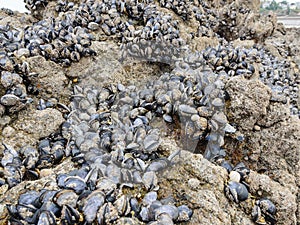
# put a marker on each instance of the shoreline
(289, 21)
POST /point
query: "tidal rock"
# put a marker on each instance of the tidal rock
(249, 100)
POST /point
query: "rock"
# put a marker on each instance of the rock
(4, 120)
(244, 43)
(8, 131)
(251, 4)
(249, 100)
(201, 43)
(32, 125)
(49, 78)
(234, 24)
(200, 184)
(17, 19)
(284, 200)
(101, 69)
(282, 140)
(276, 112)
(263, 27)
(39, 123)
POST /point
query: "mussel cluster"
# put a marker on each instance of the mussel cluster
(204, 12)
(111, 130)
(237, 190)
(182, 8)
(60, 41)
(148, 33)
(101, 206)
(190, 98)
(113, 133)
(264, 212)
(35, 5)
(230, 16)
(275, 73)
(158, 40)
(25, 163)
(237, 187)
(110, 135)
(13, 94)
(66, 38)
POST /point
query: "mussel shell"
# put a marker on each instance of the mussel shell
(237, 192)
(93, 202)
(184, 213)
(171, 210)
(69, 215)
(46, 218)
(66, 197)
(75, 183)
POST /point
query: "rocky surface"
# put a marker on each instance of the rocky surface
(267, 139)
(200, 184)
(31, 126)
(249, 100)
(49, 78)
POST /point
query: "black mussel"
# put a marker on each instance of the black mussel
(236, 192)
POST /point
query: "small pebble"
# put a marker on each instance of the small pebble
(194, 183)
(256, 128)
(46, 172)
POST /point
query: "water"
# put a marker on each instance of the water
(15, 5)
(290, 21)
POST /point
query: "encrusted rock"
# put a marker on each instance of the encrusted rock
(39, 123)
(33, 125)
(200, 184)
(249, 100)
(101, 69)
(48, 77)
